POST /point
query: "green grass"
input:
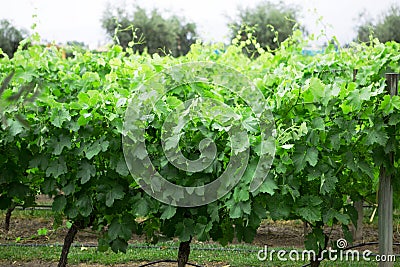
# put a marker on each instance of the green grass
(28, 214)
(200, 254)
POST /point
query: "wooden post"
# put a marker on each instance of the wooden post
(357, 232)
(385, 193)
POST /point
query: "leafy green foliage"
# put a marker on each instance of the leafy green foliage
(333, 134)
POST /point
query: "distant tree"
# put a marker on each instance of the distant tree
(10, 37)
(72, 46)
(271, 23)
(364, 31)
(77, 44)
(151, 32)
(385, 29)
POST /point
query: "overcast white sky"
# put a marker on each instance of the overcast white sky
(79, 20)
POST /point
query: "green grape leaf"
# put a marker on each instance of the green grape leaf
(84, 205)
(71, 212)
(15, 127)
(303, 155)
(95, 148)
(121, 168)
(49, 185)
(212, 210)
(59, 116)
(202, 228)
(168, 212)
(356, 97)
(240, 194)
(5, 202)
(185, 229)
(119, 245)
(268, 186)
(56, 168)
(69, 189)
(332, 214)
(245, 233)
(308, 208)
(315, 240)
(318, 124)
(122, 229)
(58, 143)
(59, 203)
(328, 183)
(18, 190)
(317, 88)
(310, 214)
(86, 171)
(376, 135)
(116, 192)
(279, 206)
(238, 209)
